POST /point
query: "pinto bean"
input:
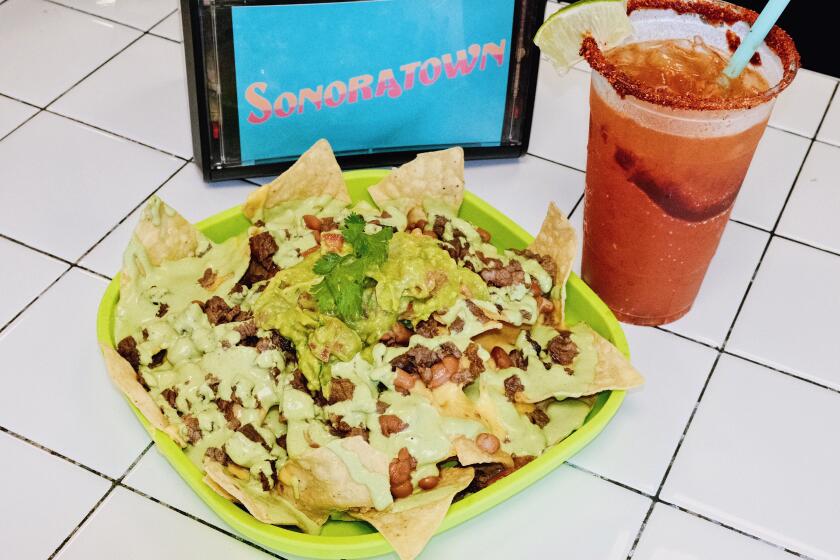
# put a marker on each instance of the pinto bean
(428, 482)
(484, 234)
(440, 375)
(535, 288)
(312, 222)
(404, 381)
(402, 490)
(452, 364)
(501, 357)
(487, 442)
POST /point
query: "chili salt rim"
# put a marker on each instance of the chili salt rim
(714, 13)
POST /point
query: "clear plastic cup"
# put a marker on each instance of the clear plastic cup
(663, 171)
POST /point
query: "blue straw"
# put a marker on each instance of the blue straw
(762, 26)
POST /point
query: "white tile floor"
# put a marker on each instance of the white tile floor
(749, 452)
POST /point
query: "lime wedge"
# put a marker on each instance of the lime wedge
(561, 35)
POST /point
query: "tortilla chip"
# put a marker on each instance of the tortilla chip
(218, 489)
(165, 234)
(268, 507)
(320, 480)
(613, 372)
(469, 453)
(436, 175)
(565, 417)
(124, 377)
(409, 523)
(451, 401)
(315, 173)
(557, 239)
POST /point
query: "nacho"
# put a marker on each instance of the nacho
(344, 474)
(410, 522)
(597, 366)
(431, 175)
(124, 377)
(347, 362)
(558, 240)
(269, 508)
(315, 173)
(469, 453)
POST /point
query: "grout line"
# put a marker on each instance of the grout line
(91, 271)
(81, 11)
(116, 134)
(804, 244)
(29, 118)
(200, 520)
(135, 461)
(28, 305)
(86, 76)
(577, 204)
(822, 120)
(749, 225)
(734, 529)
(37, 445)
(783, 372)
(82, 522)
(118, 224)
(688, 338)
(642, 528)
(114, 484)
(556, 162)
(170, 39)
(608, 479)
(33, 248)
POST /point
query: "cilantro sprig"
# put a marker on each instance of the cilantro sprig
(341, 290)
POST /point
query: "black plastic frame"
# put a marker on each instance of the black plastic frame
(519, 106)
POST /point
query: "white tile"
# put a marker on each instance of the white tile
(584, 517)
(12, 114)
(142, 14)
(762, 455)
(789, 317)
(811, 212)
(54, 47)
(773, 169)
(44, 498)
(522, 188)
(724, 286)
(159, 111)
(801, 106)
(188, 194)
(637, 445)
(29, 274)
(830, 129)
(55, 389)
(671, 534)
(170, 28)
(560, 128)
(154, 476)
(130, 526)
(64, 185)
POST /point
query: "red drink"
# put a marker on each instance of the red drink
(668, 150)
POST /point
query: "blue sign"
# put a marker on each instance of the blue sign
(370, 75)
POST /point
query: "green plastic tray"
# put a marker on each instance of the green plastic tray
(355, 539)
